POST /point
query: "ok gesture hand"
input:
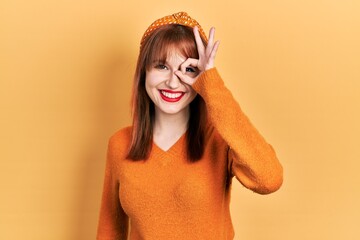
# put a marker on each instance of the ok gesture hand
(206, 58)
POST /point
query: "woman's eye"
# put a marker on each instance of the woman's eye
(161, 66)
(191, 70)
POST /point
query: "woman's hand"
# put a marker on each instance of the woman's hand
(206, 58)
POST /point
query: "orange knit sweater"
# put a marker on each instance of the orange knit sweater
(167, 197)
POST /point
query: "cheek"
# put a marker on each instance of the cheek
(150, 82)
(192, 94)
(147, 88)
(154, 78)
(150, 91)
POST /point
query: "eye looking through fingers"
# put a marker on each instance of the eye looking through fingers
(190, 65)
(190, 69)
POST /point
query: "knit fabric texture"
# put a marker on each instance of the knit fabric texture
(167, 196)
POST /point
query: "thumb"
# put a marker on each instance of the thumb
(185, 78)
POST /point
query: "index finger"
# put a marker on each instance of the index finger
(199, 42)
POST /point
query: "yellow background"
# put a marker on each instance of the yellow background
(65, 77)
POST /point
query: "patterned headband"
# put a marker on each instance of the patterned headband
(181, 18)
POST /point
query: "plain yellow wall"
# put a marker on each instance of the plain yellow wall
(65, 77)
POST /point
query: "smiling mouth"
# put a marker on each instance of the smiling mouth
(171, 96)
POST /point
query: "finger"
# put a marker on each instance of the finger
(184, 78)
(214, 50)
(199, 42)
(212, 56)
(188, 62)
(211, 39)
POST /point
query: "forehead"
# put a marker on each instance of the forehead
(175, 56)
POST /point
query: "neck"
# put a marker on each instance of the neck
(171, 124)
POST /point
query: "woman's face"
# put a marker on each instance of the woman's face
(169, 94)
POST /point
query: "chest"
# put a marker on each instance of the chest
(166, 181)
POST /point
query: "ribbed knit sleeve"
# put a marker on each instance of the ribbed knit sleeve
(251, 159)
(113, 222)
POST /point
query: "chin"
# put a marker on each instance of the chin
(165, 108)
(172, 111)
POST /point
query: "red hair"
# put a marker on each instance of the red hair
(155, 48)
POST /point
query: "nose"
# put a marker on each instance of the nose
(173, 82)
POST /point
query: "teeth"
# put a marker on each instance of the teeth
(170, 95)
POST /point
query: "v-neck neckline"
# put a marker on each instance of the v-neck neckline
(172, 147)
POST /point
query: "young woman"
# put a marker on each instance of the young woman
(169, 174)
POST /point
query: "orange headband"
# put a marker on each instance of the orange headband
(181, 18)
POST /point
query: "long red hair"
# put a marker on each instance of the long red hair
(155, 48)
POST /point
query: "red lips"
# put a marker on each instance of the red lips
(171, 96)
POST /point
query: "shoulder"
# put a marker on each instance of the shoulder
(119, 142)
(123, 133)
